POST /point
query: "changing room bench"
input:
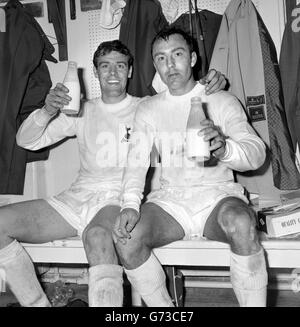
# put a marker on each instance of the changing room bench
(281, 253)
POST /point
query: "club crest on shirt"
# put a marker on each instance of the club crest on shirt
(126, 137)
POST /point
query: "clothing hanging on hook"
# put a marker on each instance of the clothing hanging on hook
(25, 82)
(210, 24)
(190, 17)
(140, 22)
(255, 81)
(200, 41)
(51, 37)
(111, 13)
(170, 9)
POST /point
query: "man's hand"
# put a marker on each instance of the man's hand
(214, 81)
(125, 223)
(56, 99)
(214, 135)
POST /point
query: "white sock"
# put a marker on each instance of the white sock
(21, 277)
(105, 286)
(249, 279)
(149, 280)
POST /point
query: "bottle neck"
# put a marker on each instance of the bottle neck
(71, 74)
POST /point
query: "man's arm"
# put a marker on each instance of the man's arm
(232, 140)
(244, 150)
(138, 162)
(42, 127)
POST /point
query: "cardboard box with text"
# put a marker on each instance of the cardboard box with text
(276, 224)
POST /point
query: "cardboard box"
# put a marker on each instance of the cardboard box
(276, 224)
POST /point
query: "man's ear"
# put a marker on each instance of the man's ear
(193, 58)
(95, 72)
(130, 72)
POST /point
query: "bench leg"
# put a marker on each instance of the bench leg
(175, 284)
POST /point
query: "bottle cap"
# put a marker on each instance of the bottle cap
(72, 63)
(196, 99)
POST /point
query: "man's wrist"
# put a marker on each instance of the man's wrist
(132, 207)
(41, 117)
(227, 153)
(50, 114)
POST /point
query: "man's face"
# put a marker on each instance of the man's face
(173, 61)
(113, 73)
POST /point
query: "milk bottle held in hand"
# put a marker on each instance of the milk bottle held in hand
(196, 148)
(71, 81)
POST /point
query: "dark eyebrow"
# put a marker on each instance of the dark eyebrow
(158, 54)
(109, 62)
(174, 50)
(179, 48)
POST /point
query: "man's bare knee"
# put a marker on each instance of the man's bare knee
(93, 235)
(134, 252)
(131, 248)
(237, 220)
(155, 228)
(98, 245)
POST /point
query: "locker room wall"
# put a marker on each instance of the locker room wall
(84, 34)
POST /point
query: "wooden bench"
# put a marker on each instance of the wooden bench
(280, 253)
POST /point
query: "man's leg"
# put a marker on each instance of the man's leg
(233, 222)
(32, 222)
(105, 275)
(155, 228)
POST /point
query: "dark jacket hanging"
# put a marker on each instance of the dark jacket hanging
(290, 69)
(24, 84)
(141, 20)
(210, 24)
